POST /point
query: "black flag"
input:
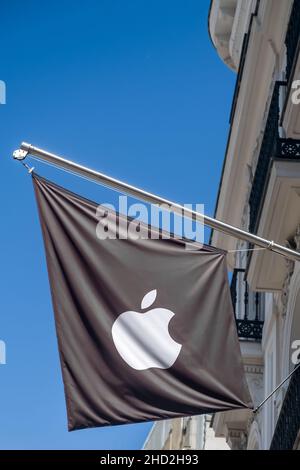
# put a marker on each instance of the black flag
(145, 327)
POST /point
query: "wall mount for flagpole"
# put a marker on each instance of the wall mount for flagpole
(125, 188)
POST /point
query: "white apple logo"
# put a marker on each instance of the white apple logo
(143, 339)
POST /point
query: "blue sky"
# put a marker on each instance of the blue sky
(133, 88)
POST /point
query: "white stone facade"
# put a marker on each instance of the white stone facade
(259, 192)
(193, 433)
(271, 59)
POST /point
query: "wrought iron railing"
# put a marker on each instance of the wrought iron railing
(292, 39)
(267, 152)
(288, 149)
(288, 423)
(272, 147)
(248, 308)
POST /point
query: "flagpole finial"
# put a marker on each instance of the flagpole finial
(20, 154)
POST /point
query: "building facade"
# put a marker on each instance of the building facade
(192, 433)
(260, 192)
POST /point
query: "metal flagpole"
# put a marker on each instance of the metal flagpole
(275, 389)
(29, 150)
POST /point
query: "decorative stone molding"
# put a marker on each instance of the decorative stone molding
(254, 439)
(253, 369)
(237, 439)
(221, 19)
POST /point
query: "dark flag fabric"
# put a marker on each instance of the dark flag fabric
(145, 327)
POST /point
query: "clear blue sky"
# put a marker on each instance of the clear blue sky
(133, 88)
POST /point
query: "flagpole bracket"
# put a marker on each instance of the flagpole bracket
(20, 154)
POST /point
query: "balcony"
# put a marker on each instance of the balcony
(248, 308)
(286, 434)
(292, 39)
(274, 199)
(290, 119)
(272, 147)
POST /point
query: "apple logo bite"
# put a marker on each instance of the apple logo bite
(143, 339)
